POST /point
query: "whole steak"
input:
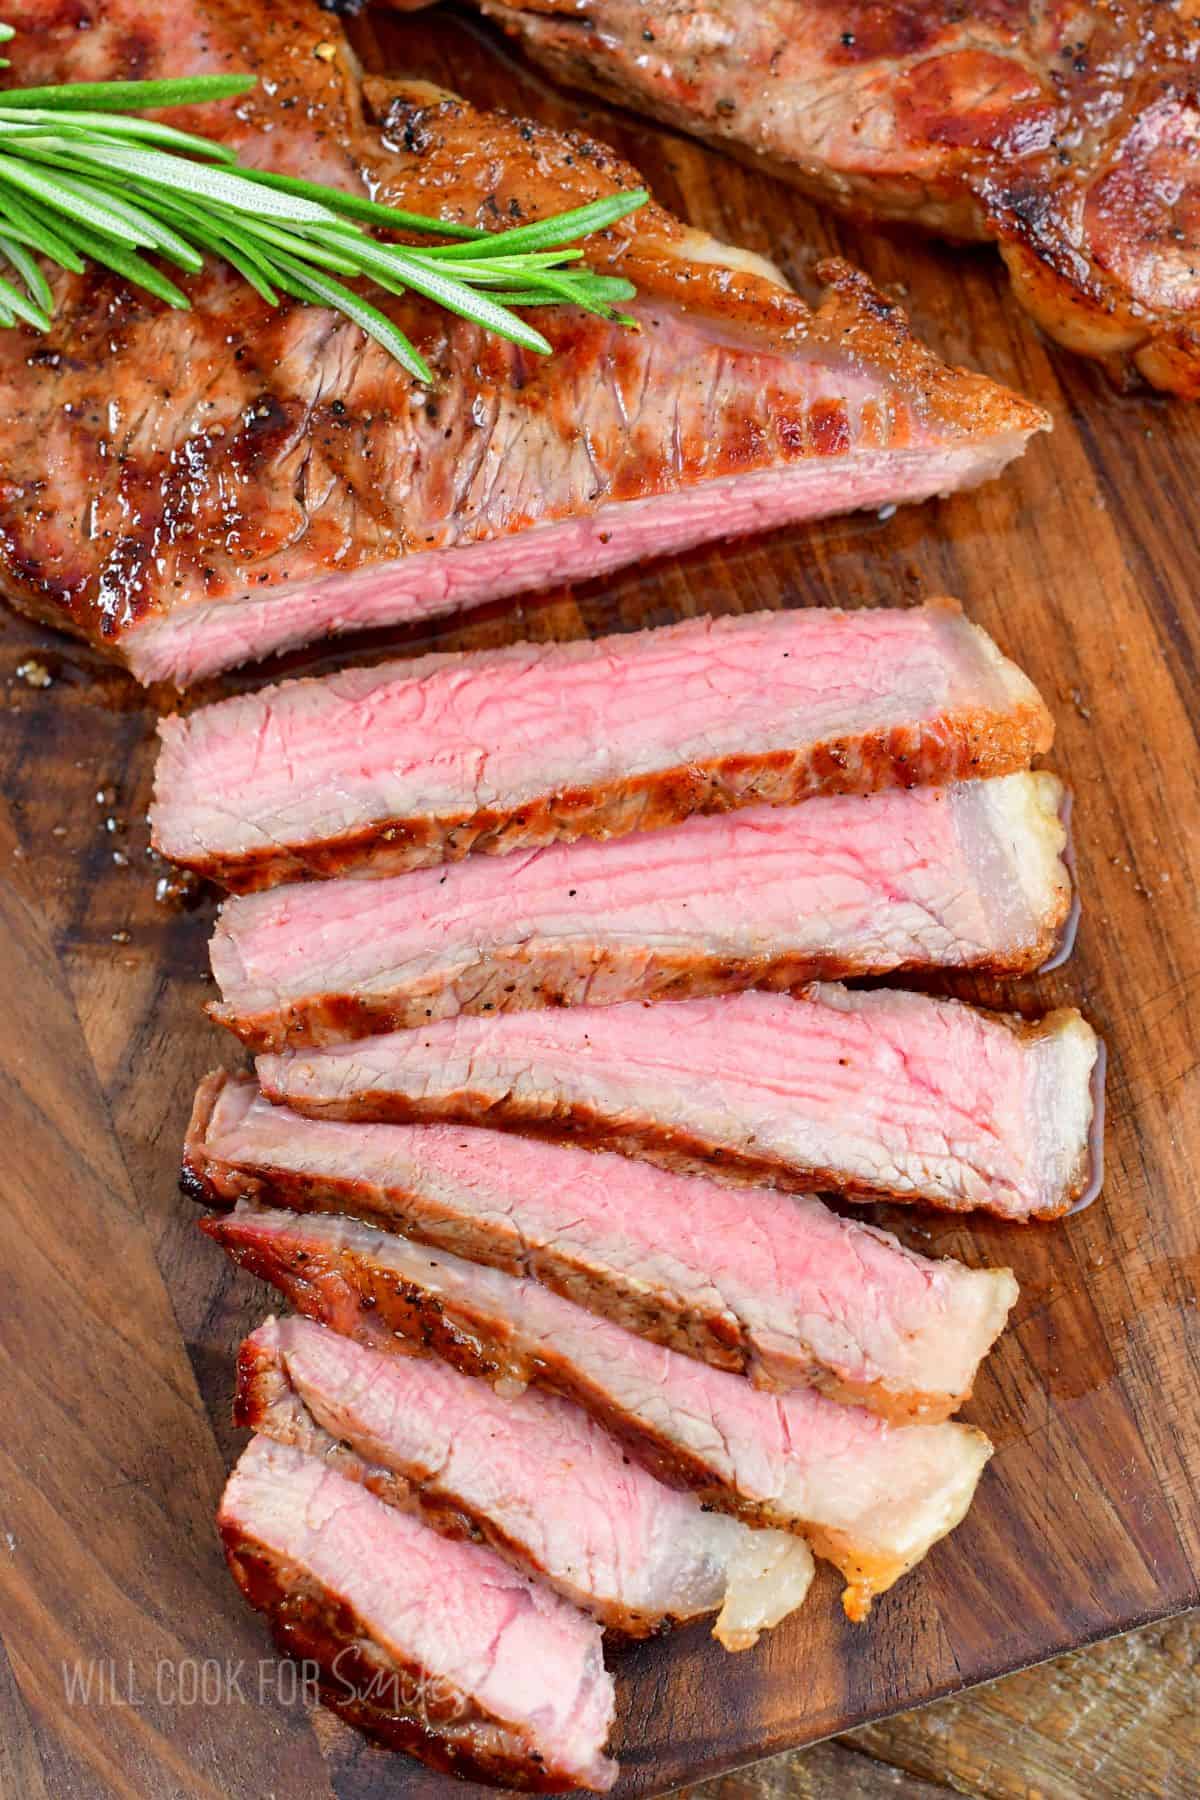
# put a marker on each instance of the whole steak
(1067, 131)
(192, 490)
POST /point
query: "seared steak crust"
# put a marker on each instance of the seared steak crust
(967, 746)
(193, 490)
(882, 1094)
(868, 1496)
(1068, 132)
(442, 1730)
(423, 1642)
(427, 761)
(770, 1287)
(531, 1477)
(966, 876)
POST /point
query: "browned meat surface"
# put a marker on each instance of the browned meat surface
(770, 1286)
(882, 1094)
(195, 490)
(370, 772)
(966, 876)
(869, 1496)
(1068, 131)
(431, 1645)
(526, 1474)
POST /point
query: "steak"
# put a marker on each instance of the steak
(869, 1496)
(435, 1646)
(190, 491)
(1068, 134)
(379, 770)
(768, 1285)
(969, 876)
(881, 1094)
(530, 1475)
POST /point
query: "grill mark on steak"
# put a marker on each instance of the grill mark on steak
(189, 496)
(1068, 133)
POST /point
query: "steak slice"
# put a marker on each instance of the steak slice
(768, 1285)
(378, 770)
(969, 876)
(885, 1094)
(190, 491)
(1067, 133)
(530, 1475)
(869, 1496)
(435, 1646)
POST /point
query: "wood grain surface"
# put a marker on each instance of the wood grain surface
(118, 1323)
(1114, 1721)
(1117, 1720)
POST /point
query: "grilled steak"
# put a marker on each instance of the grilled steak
(191, 491)
(1068, 133)
(377, 770)
(436, 1647)
(771, 1286)
(531, 1476)
(969, 876)
(878, 1094)
(870, 1496)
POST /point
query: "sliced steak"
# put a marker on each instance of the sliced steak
(529, 1475)
(378, 770)
(1068, 133)
(969, 876)
(769, 1285)
(436, 1646)
(884, 1094)
(261, 476)
(870, 1496)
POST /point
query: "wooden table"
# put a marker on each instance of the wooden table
(1119, 1720)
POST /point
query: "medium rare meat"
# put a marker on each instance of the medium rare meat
(435, 1646)
(190, 491)
(379, 770)
(883, 1093)
(1069, 134)
(769, 1285)
(969, 876)
(529, 1475)
(869, 1496)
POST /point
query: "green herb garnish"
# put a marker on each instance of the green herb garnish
(83, 179)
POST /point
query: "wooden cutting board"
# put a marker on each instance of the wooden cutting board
(118, 1324)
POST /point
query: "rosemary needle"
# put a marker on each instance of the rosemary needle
(84, 180)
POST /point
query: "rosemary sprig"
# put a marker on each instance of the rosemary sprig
(84, 179)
